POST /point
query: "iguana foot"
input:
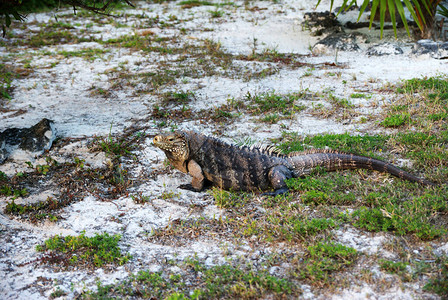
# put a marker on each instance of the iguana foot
(276, 192)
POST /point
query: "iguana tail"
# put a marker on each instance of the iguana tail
(305, 162)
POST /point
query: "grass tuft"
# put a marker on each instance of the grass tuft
(98, 251)
(322, 260)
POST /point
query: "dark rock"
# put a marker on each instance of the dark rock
(384, 49)
(437, 50)
(338, 41)
(357, 25)
(321, 23)
(34, 140)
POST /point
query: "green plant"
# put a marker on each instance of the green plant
(57, 293)
(275, 103)
(410, 217)
(323, 259)
(443, 11)
(438, 283)
(392, 267)
(3, 176)
(367, 145)
(140, 199)
(116, 147)
(210, 282)
(226, 199)
(183, 97)
(395, 120)
(98, 250)
(359, 95)
(422, 12)
(216, 13)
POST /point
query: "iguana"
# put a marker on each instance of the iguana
(255, 168)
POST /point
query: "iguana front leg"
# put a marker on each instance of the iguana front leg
(197, 182)
(277, 176)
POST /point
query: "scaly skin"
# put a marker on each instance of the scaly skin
(254, 168)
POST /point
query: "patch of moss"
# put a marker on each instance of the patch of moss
(96, 251)
(322, 260)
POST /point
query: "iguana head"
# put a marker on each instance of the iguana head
(175, 146)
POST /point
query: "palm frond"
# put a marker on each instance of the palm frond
(415, 7)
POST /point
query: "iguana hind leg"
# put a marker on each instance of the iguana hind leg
(277, 176)
(197, 182)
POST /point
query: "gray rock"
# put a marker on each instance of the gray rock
(384, 49)
(338, 41)
(437, 50)
(321, 23)
(33, 141)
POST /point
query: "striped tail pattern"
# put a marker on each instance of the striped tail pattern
(305, 162)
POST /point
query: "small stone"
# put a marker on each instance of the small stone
(384, 49)
(33, 141)
(437, 50)
(357, 25)
(338, 41)
(321, 23)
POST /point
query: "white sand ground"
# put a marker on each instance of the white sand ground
(62, 93)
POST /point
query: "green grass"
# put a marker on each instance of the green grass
(89, 54)
(96, 251)
(358, 95)
(340, 102)
(274, 107)
(427, 150)
(422, 105)
(438, 116)
(49, 36)
(192, 3)
(396, 120)
(143, 43)
(402, 207)
(39, 211)
(6, 77)
(274, 103)
(435, 85)
(226, 199)
(413, 216)
(198, 282)
(116, 147)
(322, 260)
(271, 118)
(399, 268)
(359, 144)
(438, 283)
(303, 221)
(281, 220)
(216, 13)
(179, 97)
(9, 72)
